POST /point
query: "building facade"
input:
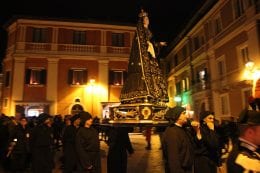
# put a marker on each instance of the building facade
(207, 61)
(64, 66)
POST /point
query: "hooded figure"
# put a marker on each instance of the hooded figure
(74, 117)
(41, 142)
(42, 118)
(88, 146)
(207, 145)
(204, 114)
(84, 116)
(69, 148)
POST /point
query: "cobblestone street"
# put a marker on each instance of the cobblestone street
(142, 161)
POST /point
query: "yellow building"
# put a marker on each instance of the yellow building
(207, 60)
(63, 66)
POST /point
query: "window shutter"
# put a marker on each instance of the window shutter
(70, 77)
(43, 76)
(85, 77)
(111, 77)
(206, 77)
(7, 79)
(198, 77)
(178, 88)
(124, 76)
(27, 76)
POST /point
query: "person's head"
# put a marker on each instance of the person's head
(249, 126)
(45, 119)
(23, 121)
(177, 115)
(86, 119)
(146, 21)
(207, 117)
(67, 120)
(143, 17)
(75, 120)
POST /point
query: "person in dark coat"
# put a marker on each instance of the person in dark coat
(207, 145)
(41, 143)
(19, 147)
(245, 154)
(177, 146)
(88, 146)
(4, 137)
(57, 127)
(69, 148)
(119, 147)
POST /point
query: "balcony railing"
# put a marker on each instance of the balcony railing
(38, 46)
(202, 86)
(79, 48)
(66, 48)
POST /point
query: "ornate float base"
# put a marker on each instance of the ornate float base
(138, 114)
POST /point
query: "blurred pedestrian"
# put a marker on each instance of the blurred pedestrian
(4, 137)
(69, 147)
(57, 126)
(148, 135)
(245, 154)
(160, 130)
(88, 146)
(41, 143)
(177, 145)
(119, 147)
(18, 150)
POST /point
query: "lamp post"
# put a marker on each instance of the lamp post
(92, 83)
(252, 73)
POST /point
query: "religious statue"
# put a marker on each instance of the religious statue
(145, 82)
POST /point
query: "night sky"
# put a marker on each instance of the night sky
(167, 17)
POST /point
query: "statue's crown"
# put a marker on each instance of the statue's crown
(143, 13)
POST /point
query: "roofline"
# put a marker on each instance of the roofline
(191, 23)
(64, 19)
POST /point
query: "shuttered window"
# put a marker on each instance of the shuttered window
(117, 77)
(35, 76)
(77, 77)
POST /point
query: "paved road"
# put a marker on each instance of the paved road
(142, 161)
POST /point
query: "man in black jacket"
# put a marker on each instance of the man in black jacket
(177, 145)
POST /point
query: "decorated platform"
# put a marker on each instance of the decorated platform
(144, 94)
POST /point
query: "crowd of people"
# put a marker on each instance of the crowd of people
(187, 146)
(207, 147)
(30, 145)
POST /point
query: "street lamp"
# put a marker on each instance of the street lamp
(177, 99)
(250, 65)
